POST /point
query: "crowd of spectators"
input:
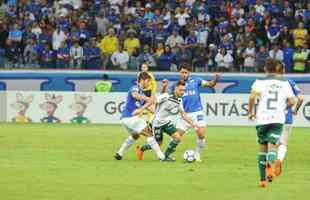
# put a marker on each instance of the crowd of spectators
(212, 35)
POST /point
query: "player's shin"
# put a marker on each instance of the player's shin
(126, 144)
(262, 165)
(152, 142)
(171, 147)
(272, 154)
(282, 152)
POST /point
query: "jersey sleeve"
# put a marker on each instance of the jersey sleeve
(201, 82)
(295, 88)
(162, 97)
(257, 87)
(181, 106)
(288, 90)
(134, 89)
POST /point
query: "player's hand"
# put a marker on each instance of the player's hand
(151, 100)
(138, 112)
(252, 117)
(295, 112)
(195, 127)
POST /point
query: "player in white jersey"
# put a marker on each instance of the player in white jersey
(283, 141)
(168, 107)
(135, 104)
(275, 95)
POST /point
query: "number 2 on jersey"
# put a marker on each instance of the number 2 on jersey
(272, 100)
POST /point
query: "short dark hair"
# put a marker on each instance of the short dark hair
(143, 76)
(180, 82)
(105, 77)
(185, 65)
(271, 65)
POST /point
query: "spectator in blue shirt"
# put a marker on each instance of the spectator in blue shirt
(92, 55)
(288, 53)
(63, 56)
(166, 59)
(273, 32)
(47, 57)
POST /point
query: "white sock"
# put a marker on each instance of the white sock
(281, 152)
(126, 144)
(201, 143)
(152, 142)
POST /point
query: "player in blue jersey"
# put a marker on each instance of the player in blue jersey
(135, 104)
(193, 106)
(283, 141)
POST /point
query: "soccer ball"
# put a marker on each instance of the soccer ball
(189, 156)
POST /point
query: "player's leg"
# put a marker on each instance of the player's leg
(273, 134)
(199, 120)
(158, 134)
(283, 141)
(171, 130)
(134, 126)
(262, 157)
(262, 154)
(282, 148)
(147, 132)
(125, 145)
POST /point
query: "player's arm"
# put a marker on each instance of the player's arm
(140, 110)
(252, 100)
(300, 100)
(211, 83)
(141, 97)
(165, 84)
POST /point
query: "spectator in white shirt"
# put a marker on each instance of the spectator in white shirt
(224, 61)
(201, 33)
(120, 58)
(259, 7)
(76, 55)
(249, 57)
(59, 36)
(174, 41)
(276, 53)
(182, 17)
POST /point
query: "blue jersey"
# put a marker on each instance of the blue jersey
(289, 114)
(191, 98)
(131, 103)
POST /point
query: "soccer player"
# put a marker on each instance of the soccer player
(151, 89)
(193, 107)
(136, 103)
(168, 107)
(283, 141)
(275, 95)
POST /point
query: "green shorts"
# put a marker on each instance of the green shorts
(168, 128)
(269, 133)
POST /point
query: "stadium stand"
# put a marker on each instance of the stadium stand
(213, 35)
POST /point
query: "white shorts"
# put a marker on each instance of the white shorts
(134, 125)
(197, 117)
(285, 134)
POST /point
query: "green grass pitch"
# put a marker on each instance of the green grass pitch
(75, 162)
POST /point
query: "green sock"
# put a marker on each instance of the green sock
(262, 165)
(146, 147)
(272, 155)
(171, 147)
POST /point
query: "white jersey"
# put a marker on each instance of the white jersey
(273, 94)
(167, 109)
